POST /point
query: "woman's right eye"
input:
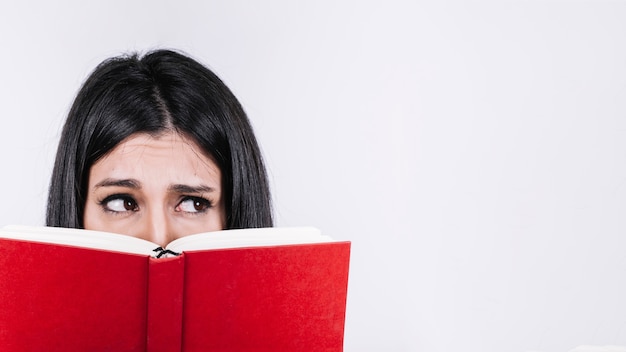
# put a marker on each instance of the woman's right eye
(119, 204)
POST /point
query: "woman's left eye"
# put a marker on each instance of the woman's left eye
(193, 205)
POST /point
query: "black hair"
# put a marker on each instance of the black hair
(161, 91)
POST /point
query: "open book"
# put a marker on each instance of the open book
(270, 289)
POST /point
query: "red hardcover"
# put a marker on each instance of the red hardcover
(55, 298)
(278, 298)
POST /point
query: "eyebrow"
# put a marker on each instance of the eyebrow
(135, 184)
(110, 182)
(180, 188)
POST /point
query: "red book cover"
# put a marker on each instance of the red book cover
(264, 298)
(56, 297)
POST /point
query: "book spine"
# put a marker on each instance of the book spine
(165, 304)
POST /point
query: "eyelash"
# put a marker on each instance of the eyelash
(203, 203)
(104, 203)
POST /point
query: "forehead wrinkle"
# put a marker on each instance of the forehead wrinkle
(202, 156)
(125, 147)
(134, 150)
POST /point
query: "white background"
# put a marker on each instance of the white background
(473, 152)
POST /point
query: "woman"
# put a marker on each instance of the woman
(157, 147)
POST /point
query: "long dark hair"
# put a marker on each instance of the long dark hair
(161, 91)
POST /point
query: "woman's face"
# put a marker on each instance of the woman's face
(155, 188)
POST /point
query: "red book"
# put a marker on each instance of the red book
(274, 289)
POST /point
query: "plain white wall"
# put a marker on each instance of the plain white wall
(474, 152)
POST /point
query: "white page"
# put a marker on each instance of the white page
(123, 243)
(79, 238)
(254, 237)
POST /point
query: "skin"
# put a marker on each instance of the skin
(155, 188)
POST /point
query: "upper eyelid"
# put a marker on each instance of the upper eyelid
(206, 205)
(125, 196)
(103, 202)
(191, 197)
(117, 196)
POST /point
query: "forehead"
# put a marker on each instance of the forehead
(163, 143)
(169, 154)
